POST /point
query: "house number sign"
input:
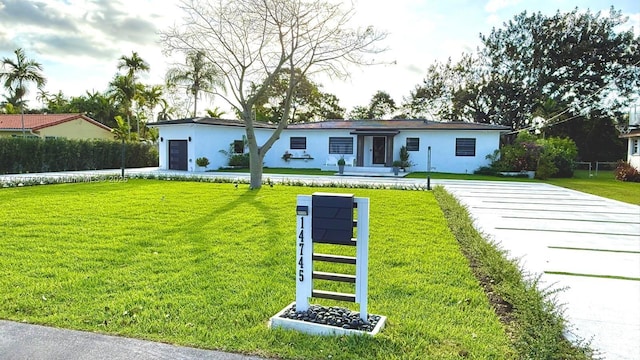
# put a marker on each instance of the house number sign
(304, 253)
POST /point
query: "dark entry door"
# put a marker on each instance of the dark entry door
(379, 150)
(177, 154)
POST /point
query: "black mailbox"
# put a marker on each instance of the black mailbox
(332, 218)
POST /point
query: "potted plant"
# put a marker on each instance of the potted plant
(341, 163)
(396, 166)
(202, 162)
(404, 158)
(286, 156)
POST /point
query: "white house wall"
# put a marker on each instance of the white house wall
(443, 149)
(208, 140)
(317, 148)
(633, 152)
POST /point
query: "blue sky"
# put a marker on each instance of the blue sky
(79, 41)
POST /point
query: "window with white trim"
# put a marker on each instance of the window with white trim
(341, 145)
(635, 146)
(465, 147)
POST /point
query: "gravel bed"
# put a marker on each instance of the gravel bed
(333, 316)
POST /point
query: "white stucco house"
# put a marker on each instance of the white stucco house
(456, 147)
(633, 147)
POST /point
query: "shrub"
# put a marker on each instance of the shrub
(239, 160)
(202, 161)
(625, 172)
(31, 155)
(553, 157)
(562, 152)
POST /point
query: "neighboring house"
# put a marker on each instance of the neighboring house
(633, 149)
(70, 126)
(456, 147)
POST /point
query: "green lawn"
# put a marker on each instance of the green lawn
(604, 184)
(206, 265)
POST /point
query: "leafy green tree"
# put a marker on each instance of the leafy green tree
(122, 130)
(309, 103)
(197, 75)
(251, 41)
(580, 61)
(17, 74)
(381, 106)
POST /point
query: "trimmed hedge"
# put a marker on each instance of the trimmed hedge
(34, 155)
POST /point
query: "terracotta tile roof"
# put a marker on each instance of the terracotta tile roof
(34, 122)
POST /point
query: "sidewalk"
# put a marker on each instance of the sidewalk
(588, 244)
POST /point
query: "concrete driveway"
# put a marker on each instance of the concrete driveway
(588, 244)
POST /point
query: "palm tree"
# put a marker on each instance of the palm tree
(16, 76)
(197, 75)
(148, 98)
(122, 89)
(133, 64)
(215, 113)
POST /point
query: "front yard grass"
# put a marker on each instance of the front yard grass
(603, 184)
(206, 265)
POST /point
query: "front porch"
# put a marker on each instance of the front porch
(367, 171)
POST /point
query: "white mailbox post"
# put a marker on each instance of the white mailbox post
(333, 226)
(324, 218)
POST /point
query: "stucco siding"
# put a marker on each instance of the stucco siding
(208, 140)
(76, 129)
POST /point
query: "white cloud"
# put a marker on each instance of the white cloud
(495, 5)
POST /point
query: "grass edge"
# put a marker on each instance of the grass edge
(532, 317)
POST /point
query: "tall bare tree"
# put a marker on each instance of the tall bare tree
(17, 74)
(251, 41)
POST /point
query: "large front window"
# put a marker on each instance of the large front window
(341, 145)
(465, 147)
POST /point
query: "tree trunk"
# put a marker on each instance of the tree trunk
(195, 104)
(255, 166)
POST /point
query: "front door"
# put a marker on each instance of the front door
(379, 150)
(177, 154)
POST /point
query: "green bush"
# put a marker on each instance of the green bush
(553, 157)
(239, 160)
(32, 155)
(562, 152)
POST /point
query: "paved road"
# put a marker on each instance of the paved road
(586, 243)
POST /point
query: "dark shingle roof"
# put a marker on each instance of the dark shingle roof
(386, 125)
(211, 121)
(370, 125)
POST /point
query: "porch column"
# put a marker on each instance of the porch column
(360, 151)
(389, 156)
